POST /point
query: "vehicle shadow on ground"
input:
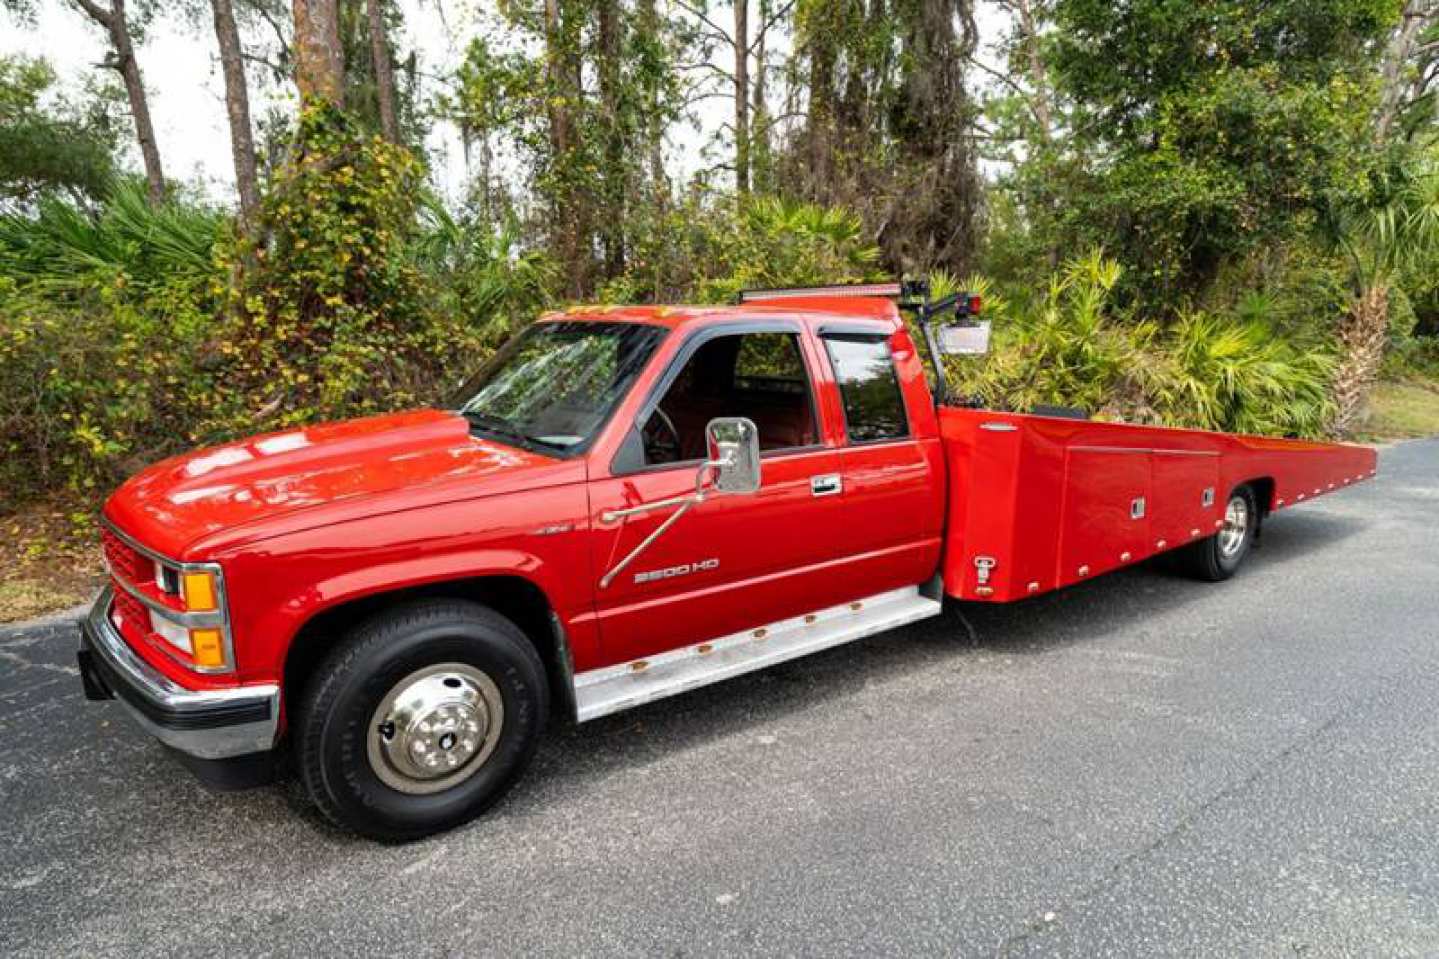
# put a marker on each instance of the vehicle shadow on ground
(574, 760)
(967, 632)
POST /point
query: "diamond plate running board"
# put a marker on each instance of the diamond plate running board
(599, 692)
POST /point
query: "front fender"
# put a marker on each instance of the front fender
(280, 585)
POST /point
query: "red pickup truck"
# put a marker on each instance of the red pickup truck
(625, 504)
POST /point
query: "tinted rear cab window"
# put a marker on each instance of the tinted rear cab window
(869, 386)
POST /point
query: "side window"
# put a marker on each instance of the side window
(770, 361)
(758, 375)
(869, 386)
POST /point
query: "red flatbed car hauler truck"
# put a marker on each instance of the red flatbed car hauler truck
(397, 603)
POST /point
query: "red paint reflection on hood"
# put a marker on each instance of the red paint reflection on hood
(174, 503)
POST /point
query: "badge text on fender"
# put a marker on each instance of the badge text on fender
(670, 572)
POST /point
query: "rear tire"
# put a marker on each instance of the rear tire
(421, 720)
(1217, 557)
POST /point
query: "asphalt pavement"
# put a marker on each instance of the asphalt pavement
(1140, 765)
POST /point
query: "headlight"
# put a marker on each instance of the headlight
(205, 645)
(183, 602)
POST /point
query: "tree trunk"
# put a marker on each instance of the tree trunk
(384, 72)
(613, 180)
(237, 109)
(649, 25)
(115, 24)
(759, 141)
(741, 96)
(1038, 73)
(1361, 339)
(319, 60)
(562, 73)
(1395, 86)
(820, 125)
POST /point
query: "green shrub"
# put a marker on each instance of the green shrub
(102, 318)
(327, 316)
(709, 252)
(1074, 348)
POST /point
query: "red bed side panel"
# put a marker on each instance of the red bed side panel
(1037, 502)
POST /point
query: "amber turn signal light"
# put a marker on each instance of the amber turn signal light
(199, 592)
(207, 647)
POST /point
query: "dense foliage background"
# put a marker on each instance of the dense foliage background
(1221, 214)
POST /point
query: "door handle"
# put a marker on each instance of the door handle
(827, 485)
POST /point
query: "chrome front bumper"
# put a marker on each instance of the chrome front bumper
(209, 724)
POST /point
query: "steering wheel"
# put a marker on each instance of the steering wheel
(662, 445)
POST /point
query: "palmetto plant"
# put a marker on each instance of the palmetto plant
(490, 282)
(1074, 348)
(64, 250)
(1380, 240)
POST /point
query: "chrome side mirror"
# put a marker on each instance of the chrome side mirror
(733, 443)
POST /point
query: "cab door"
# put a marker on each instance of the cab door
(890, 460)
(730, 563)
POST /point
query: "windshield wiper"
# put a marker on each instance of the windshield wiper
(498, 425)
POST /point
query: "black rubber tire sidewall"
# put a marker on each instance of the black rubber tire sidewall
(1208, 561)
(341, 700)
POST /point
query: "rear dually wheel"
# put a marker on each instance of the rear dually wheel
(1216, 557)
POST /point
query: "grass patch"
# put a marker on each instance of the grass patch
(49, 559)
(1402, 410)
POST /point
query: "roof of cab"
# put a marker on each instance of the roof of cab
(674, 317)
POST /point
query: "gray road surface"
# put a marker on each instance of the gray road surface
(1140, 765)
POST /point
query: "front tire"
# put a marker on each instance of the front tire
(1217, 557)
(421, 720)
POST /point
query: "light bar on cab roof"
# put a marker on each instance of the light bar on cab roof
(886, 290)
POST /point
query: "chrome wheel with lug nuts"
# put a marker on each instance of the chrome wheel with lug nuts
(436, 728)
(1235, 533)
(419, 719)
(1217, 556)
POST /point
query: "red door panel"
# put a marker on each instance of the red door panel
(1105, 522)
(731, 563)
(1178, 512)
(894, 505)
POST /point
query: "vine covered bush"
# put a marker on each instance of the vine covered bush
(328, 315)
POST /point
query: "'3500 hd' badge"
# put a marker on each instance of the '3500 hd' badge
(670, 572)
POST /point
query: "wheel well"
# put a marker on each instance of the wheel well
(517, 599)
(1263, 488)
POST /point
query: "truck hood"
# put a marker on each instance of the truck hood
(328, 472)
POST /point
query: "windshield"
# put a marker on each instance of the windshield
(556, 384)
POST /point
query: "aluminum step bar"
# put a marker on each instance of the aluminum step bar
(599, 692)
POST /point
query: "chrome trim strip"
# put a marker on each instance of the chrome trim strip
(1142, 449)
(188, 620)
(219, 619)
(610, 689)
(217, 742)
(149, 553)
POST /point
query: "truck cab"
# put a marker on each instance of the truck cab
(624, 504)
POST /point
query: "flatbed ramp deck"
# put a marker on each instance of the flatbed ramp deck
(1037, 503)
